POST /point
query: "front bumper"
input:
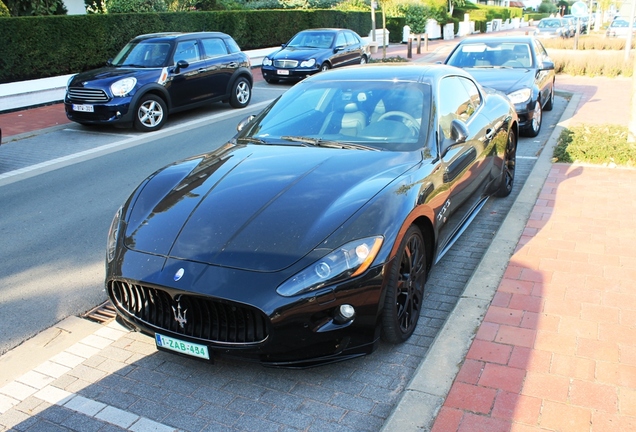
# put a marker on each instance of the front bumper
(295, 74)
(243, 316)
(115, 111)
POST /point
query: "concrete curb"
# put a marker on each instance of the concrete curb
(425, 394)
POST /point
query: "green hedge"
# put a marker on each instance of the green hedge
(39, 47)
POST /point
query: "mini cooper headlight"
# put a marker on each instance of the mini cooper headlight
(113, 233)
(267, 61)
(520, 96)
(123, 86)
(308, 63)
(349, 260)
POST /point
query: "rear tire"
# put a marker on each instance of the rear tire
(241, 93)
(151, 113)
(509, 165)
(405, 291)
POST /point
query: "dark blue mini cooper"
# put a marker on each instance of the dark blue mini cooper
(161, 73)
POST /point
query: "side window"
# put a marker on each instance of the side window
(341, 40)
(232, 45)
(538, 46)
(454, 103)
(213, 47)
(350, 38)
(473, 92)
(188, 51)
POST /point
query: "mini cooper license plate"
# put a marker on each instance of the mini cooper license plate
(83, 108)
(282, 72)
(183, 347)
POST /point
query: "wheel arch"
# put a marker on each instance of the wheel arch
(240, 73)
(156, 90)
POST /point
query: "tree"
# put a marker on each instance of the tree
(36, 7)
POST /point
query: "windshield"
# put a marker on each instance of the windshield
(143, 54)
(312, 39)
(551, 23)
(384, 115)
(508, 54)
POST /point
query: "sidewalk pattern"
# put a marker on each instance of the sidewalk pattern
(556, 349)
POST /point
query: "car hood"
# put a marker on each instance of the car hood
(255, 207)
(294, 53)
(505, 80)
(104, 77)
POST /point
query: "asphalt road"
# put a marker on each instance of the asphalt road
(53, 231)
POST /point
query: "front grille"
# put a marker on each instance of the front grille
(286, 64)
(81, 94)
(206, 319)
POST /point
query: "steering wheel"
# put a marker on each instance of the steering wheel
(410, 121)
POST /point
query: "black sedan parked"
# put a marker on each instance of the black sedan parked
(161, 73)
(518, 66)
(309, 236)
(311, 51)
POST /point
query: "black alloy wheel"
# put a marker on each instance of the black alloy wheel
(151, 113)
(537, 117)
(550, 103)
(509, 163)
(405, 290)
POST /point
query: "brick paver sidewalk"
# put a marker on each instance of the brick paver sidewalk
(557, 348)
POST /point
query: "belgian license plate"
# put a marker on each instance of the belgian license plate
(282, 72)
(83, 108)
(183, 347)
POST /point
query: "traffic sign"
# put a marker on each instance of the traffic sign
(579, 9)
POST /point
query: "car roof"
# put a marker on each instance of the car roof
(179, 35)
(502, 39)
(413, 72)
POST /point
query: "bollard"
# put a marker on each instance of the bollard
(419, 43)
(409, 50)
(425, 41)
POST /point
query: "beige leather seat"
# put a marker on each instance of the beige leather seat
(353, 120)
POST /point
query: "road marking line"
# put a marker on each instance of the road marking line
(30, 171)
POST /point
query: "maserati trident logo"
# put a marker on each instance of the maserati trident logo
(180, 316)
(179, 274)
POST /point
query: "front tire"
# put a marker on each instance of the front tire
(509, 165)
(537, 118)
(151, 114)
(241, 93)
(405, 291)
(325, 67)
(550, 104)
(363, 60)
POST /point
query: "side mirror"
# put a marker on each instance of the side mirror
(459, 134)
(548, 65)
(283, 45)
(181, 64)
(244, 122)
(109, 62)
(338, 48)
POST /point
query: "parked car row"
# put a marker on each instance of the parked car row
(308, 237)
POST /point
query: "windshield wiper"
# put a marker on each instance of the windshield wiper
(324, 143)
(253, 140)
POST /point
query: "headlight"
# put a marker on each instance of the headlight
(520, 96)
(113, 233)
(123, 87)
(267, 61)
(347, 261)
(308, 63)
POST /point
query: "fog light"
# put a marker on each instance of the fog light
(344, 314)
